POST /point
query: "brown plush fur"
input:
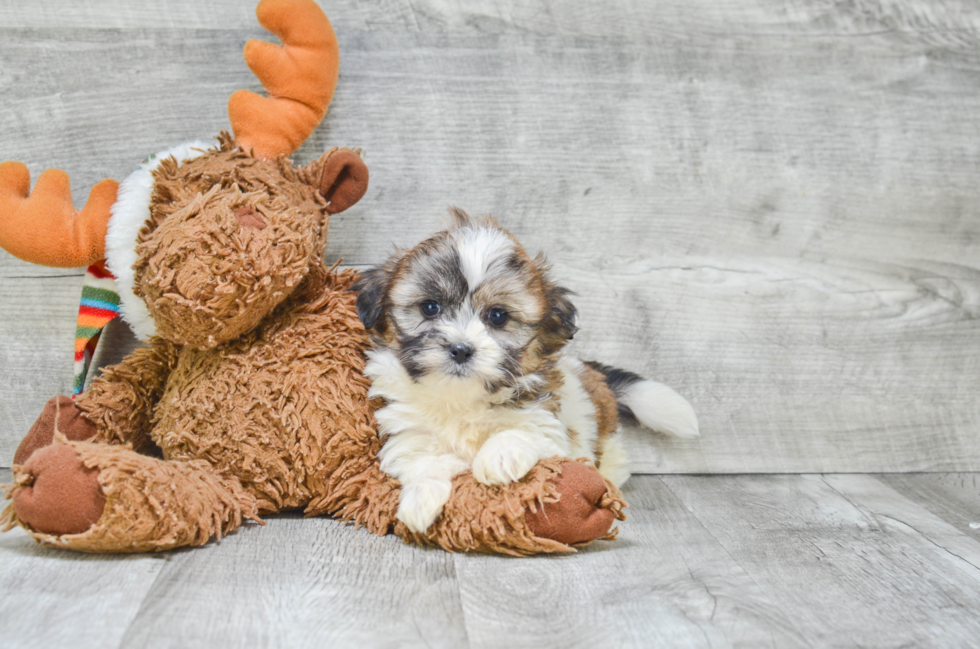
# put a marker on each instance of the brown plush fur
(251, 398)
(302, 410)
(150, 504)
(254, 393)
(122, 401)
(59, 413)
(205, 277)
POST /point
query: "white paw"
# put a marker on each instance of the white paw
(422, 502)
(503, 459)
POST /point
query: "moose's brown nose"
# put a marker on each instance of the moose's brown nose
(249, 218)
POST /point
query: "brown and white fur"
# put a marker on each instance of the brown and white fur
(469, 357)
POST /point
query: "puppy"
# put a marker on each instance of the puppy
(469, 357)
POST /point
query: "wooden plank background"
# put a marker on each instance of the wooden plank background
(772, 205)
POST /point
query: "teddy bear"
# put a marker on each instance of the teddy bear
(248, 396)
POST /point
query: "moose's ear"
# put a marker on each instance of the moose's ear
(371, 287)
(344, 180)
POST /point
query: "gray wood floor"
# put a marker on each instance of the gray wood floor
(703, 561)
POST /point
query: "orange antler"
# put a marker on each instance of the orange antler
(299, 76)
(43, 227)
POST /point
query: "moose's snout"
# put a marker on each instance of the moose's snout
(461, 353)
(249, 218)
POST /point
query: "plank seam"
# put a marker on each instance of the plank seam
(927, 538)
(165, 559)
(735, 561)
(865, 511)
(459, 593)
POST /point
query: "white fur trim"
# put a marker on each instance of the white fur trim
(130, 211)
(104, 284)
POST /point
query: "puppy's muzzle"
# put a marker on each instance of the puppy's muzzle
(461, 353)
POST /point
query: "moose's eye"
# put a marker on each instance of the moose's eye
(497, 316)
(430, 308)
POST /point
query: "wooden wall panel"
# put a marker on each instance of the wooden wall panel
(771, 206)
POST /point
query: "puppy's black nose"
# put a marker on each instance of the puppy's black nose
(461, 353)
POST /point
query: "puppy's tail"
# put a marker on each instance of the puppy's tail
(646, 402)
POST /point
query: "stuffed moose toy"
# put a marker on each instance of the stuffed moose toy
(248, 395)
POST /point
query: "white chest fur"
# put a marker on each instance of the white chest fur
(437, 426)
(455, 416)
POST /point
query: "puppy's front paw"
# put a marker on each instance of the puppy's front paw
(422, 502)
(503, 459)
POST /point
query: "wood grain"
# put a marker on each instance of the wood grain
(665, 583)
(52, 598)
(38, 308)
(702, 561)
(302, 583)
(771, 206)
(795, 365)
(953, 497)
(856, 563)
(876, 496)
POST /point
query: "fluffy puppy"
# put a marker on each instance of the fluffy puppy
(469, 336)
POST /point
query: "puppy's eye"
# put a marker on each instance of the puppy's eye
(430, 308)
(497, 316)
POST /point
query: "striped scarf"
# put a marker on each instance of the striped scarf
(99, 305)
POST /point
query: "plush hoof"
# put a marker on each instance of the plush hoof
(56, 493)
(577, 517)
(71, 423)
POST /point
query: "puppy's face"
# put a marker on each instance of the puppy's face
(468, 304)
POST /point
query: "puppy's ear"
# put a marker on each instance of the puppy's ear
(371, 287)
(559, 322)
(458, 218)
(564, 315)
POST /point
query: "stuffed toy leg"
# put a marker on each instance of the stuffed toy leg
(80, 483)
(559, 504)
(96, 497)
(104, 498)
